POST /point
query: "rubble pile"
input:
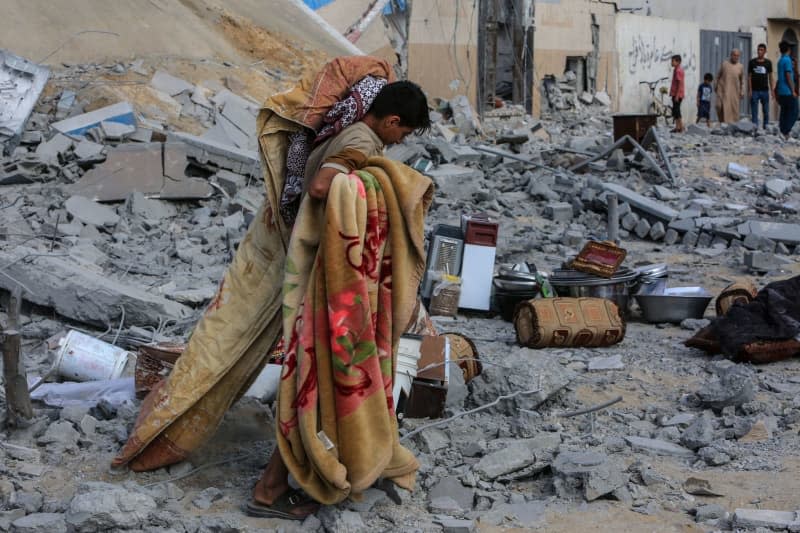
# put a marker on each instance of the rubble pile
(119, 219)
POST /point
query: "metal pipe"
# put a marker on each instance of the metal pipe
(613, 218)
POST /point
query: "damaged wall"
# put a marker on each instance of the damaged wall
(563, 30)
(645, 46)
(443, 47)
(722, 15)
(341, 14)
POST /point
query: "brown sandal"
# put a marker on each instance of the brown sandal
(282, 507)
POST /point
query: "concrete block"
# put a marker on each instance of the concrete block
(642, 203)
(559, 211)
(662, 193)
(64, 283)
(121, 112)
(23, 83)
(671, 237)
(516, 456)
(231, 182)
(90, 212)
(738, 172)
(55, 148)
(228, 157)
(658, 447)
(602, 98)
(642, 228)
(763, 261)
(757, 518)
(167, 83)
(89, 152)
(777, 231)
(116, 131)
(704, 240)
(40, 523)
(690, 238)
(696, 129)
(657, 231)
(777, 187)
(630, 221)
(616, 161)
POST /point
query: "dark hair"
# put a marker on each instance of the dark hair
(708, 76)
(677, 57)
(760, 46)
(406, 100)
(783, 47)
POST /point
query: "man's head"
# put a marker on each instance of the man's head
(708, 78)
(735, 55)
(762, 50)
(676, 60)
(399, 109)
(784, 47)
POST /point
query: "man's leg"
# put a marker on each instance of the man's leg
(274, 483)
(765, 107)
(754, 107)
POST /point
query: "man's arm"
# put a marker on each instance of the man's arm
(347, 160)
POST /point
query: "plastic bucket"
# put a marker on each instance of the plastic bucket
(85, 358)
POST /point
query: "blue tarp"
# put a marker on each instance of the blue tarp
(316, 4)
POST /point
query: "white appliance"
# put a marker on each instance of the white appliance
(444, 254)
(476, 277)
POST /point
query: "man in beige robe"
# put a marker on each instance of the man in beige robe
(730, 88)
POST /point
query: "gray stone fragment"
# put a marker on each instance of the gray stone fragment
(206, 498)
(777, 187)
(89, 152)
(651, 207)
(699, 434)
(116, 131)
(711, 511)
(61, 433)
(455, 525)
(105, 507)
(642, 228)
(593, 472)
(662, 193)
(671, 237)
(433, 439)
(169, 84)
(341, 521)
(657, 231)
(613, 362)
(541, 191)
(658, 447)
(8, 517)
(559, 211)
(452, 487)
(738, 172)
(40, 523)
(683, 224)
(629, 221)
(144, 207)
(369, 499)
(704, 240)
(517, 455)
(690, 238)
(696, 129)
(736, 385)
(90, 212)
(753, 518)
(29, 500)
(616, 161)
(445, 505)
(777, 231)
(56, 147)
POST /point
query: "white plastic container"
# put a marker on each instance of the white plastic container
(85, 358)
(407, 357)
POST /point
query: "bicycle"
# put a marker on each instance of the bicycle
(658, 106)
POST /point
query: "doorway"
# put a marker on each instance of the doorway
(715, 47)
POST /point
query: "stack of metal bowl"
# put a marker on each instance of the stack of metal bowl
(652, 279)
(512, 286)
(617, 288)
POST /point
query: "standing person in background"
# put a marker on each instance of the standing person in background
(760, 79)
(730, 88)
(704, 92)
(677, 92)
(786, 91)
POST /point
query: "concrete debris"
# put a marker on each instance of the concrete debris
(738, 172)
(599, 364)
(103, 506)
(121, 113)
(658, 447)
(40, 523)
(90, 212)
(517, 456)
(22, 83)
(758, 518)
(592, 473)
(736, 385)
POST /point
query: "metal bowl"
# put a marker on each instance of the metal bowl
(675, 305)
(579, 285)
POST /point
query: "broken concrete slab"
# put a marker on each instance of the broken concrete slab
(758, 518)
(90, 212)
(658, 447)
(67, 286)
(738, 172)
(121, 112)
(89, 152)
(517, 456)
(777, 231)
(777, 187)
(559, 211)
(40, 523)
(764, 261)
(55, 148)
(23, 82)
(116, 131)
(167, 83)
(228, 157)
(141, 206)
(642, 203)
(600, 364)
(154, 169)
(591, 472)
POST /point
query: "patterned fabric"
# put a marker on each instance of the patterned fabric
(343, 113)
(556, 322)
(343, 317)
